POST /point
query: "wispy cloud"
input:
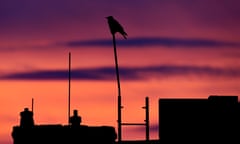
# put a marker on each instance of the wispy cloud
(138, 42)
(154, 41)
(126, 73)
(153, 128)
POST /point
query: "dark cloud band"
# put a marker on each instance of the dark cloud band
(126, 73)
(154, 41)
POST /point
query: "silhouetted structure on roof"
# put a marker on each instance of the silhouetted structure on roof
(26, 120)
(211, 120)
(75, 120)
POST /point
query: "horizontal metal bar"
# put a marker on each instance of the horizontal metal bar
(133, 123)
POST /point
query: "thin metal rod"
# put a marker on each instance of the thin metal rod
(147, 118)
(116, 64)
(119, 120)
(69, 85)
(32, 104)
(119, 92)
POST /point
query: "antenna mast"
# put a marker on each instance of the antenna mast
(32, 104)
(69, 85)
(119, 105)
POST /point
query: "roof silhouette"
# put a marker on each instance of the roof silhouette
(199, 120)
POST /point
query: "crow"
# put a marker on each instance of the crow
(115, 26)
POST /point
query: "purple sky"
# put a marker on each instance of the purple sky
(174, 48)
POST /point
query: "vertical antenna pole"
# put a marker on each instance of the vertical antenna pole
(119, 94)
(69, 85)
(119, 120)
(147, 118)
(32, 104)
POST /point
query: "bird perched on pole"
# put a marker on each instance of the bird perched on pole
(115, 26)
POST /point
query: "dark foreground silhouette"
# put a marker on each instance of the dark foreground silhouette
(212, 120)
(188, 121)
(56, 134)
(75, 133)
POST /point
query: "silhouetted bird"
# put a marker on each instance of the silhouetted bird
(115, 26)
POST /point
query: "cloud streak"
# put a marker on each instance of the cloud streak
(138, 42)
(154, 41)
(153, 128)
(126, 73)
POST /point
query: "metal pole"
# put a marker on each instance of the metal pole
(119, 121)
(32, 104)
(69, 85)
(147, 118)
(119, 93)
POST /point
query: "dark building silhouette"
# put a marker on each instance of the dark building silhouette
(211, 120)
(29, 133)
(188, 121)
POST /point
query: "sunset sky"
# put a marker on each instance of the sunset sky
(175, 49)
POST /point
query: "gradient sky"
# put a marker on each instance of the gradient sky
(175, 48)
